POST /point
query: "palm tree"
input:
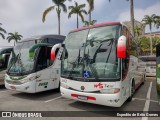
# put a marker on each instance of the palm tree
(2, 31)
(59, 4)
(87, 23)
(78, 10)
(149, 20)
(14, 36)
(91, 8)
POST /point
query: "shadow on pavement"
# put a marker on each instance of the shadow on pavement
(50, 94)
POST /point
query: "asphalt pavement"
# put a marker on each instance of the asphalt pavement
(145, 99)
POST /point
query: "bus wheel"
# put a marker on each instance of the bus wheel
(144, 78)
(132, 91)
(58, 89)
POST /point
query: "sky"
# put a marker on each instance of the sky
(25, 16)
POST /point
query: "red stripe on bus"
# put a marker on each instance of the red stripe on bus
(96, 25)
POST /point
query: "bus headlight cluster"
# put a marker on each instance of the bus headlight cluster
(64, 85)
(110, 91)
(28, 79)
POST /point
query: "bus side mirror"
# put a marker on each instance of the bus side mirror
(121, 47)
(53, 51)
(34, 47)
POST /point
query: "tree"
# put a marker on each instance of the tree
(59, 4)
(87, 23)
(138, 31)
(2, 31)
(91, 8)
(14, 36)
(78, 10)
(149, 20)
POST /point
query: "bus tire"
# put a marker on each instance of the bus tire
(58, 89)
(144, 78)
(132, 91)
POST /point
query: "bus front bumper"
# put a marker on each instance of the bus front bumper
(112, 100)
(28, 87)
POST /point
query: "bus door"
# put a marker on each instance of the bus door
(43, 69)
(158, 70)
(125, 66)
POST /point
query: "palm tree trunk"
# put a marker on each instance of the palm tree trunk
(14, 43)
(151, 45)
(77, 21)
(59, 24)
(90, 16)
(132, 16)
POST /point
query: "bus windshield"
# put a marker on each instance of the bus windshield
(91, 53)
(20, 63)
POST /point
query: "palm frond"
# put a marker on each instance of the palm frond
(3, 30)
(46, 12)
(70, 14)
(91, 5)
(82, 18)
(1, 34)
(83, 11)
(63, 6)
(82, 6)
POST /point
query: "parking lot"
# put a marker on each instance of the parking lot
(145, 99)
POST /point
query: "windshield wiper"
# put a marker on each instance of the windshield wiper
(15, 60)
(112, 40)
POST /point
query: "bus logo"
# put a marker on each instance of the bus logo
(43, 84)
(99, 85)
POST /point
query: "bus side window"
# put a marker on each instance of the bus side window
(125, 62)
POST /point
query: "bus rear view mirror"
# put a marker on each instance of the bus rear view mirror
(54, 51)
(121, 47)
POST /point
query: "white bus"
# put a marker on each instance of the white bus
(99, 65)
(150, 65)
(31, 68)
(4, 56)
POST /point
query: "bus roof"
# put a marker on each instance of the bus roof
(60, 37)
(96, 25)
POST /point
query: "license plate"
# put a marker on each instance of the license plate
(82, 97)
(13, 88)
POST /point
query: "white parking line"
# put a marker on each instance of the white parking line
(146, 106)
(53, 99)
(144, 100)
(4, 91)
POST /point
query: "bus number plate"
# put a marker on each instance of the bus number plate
(82, 97)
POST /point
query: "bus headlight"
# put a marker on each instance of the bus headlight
(110, 91)
(28, 79)
(64, 85)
